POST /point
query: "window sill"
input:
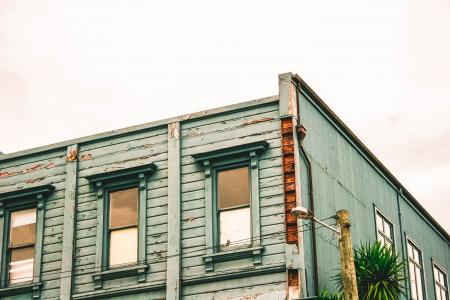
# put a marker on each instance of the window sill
(139, 270)
(34, 288)
(252, 252)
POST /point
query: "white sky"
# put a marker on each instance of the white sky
(74, 68)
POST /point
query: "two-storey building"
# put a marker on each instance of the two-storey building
(198, 207)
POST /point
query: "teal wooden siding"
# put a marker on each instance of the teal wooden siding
(344, 178)
(48, 168)
(220, 132)
(132, 150)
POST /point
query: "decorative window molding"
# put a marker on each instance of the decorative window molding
(33, 197)
(212, 161)
(104, 183)
(384, 228)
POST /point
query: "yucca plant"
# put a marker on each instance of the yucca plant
(326, 295)
(379, 272)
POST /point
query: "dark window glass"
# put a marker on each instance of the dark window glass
(123, 229)
(22, 237)
(123, 208)
(233, 188)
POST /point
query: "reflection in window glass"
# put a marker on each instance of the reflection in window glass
(233, 195)
(415, 271)
(22, 239)
(440, 283)
(233, 187)
(384, 230)
(123, 229)
(123, 246)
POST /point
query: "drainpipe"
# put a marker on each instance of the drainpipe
(399, 192)
(301, 133)
(313, 224)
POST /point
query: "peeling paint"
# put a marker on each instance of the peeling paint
(72, 155)
(87, 156)
(28, 170)
(34, 180)
(258, 121)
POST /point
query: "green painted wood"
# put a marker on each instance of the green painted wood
(69, 224)
(173, 283)
(143, 127)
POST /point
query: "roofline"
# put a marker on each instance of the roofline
(403, 191)
(141, 127)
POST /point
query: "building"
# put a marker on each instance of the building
(197, 207)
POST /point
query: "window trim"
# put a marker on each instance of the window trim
(424, 283)
(377, 210)
(104, 183)
(435, 264)
(33, 197)
(218, 159)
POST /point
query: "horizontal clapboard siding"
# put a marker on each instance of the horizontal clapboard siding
(219, 132)
(39, 170)
(107, 155)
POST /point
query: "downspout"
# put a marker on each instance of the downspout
(301, 133)
(313, 224)
(399, 192)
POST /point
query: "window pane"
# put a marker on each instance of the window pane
(123, 246)
(416, 255)
(23, 227)
(409, 250)
(419, 284)
(379, 222)
(387, 229)
(438, 292)
(21, 265)
(412, 281)
(235, 227)
(233, 187)
(123, 208)
(441, 278)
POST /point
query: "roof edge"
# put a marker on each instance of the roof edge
(141, 127)
(316, 98)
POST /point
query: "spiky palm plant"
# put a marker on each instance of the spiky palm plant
(326, 295)
(379, 272)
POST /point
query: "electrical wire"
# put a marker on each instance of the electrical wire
(82, 271)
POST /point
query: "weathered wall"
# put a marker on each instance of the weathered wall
(344, 179)
(218, 132)
(199, 133)
(111, 154)
(48, 168)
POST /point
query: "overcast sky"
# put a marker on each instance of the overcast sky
(74, 68)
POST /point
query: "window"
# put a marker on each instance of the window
(415, 265)
(385, 229)
(232, 217)
(123, 227)
(121, 223)
(440, 283)
(233, 197)
(21, 238)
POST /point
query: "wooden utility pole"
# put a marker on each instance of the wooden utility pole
(347, 262)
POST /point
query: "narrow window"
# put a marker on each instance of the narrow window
(233, 195)
(440, 283)
(22, 239)
(385, 230)
(123, 227)
(415, 272)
